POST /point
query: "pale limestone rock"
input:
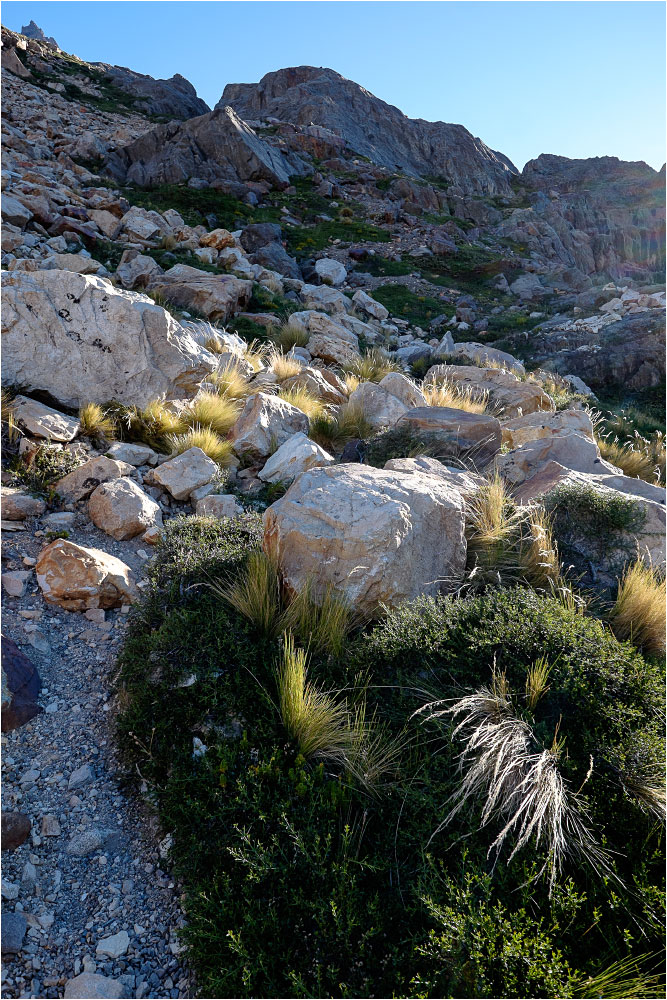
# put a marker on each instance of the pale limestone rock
(136, 270)
(185, 473)
(17, 505)
(481, 355)
(330, 272)
(570, 449)
(81, 339)
(519, 430)
(314, 380)
(80, 483)
(218, 505)
(265, 423)
(508, 396)
(113, 946)
(77, 578)
(380, 407)
(77, 262)
(403, 388)
(467, 483)
(138, 223)
(456, 432)
(296, 455)
(122, 509)
(374, 535)
(132, 454)
(15, 582)
(218, 239)
(369, 305)
(218, 297)
(324, 299)
(92, 986)
(43, 421)
(108, 224)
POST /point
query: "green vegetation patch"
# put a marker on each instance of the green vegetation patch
(300, 881)
(417, 309)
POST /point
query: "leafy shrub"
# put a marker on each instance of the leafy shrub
(44, 468)
(603, 519)
(297, 882)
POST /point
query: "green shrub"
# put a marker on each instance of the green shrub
(297, 881)
(589, 522)
(41, 472)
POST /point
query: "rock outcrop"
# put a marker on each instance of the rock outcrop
(78, 338)
(305, 95)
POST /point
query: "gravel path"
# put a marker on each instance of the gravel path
(93, 866)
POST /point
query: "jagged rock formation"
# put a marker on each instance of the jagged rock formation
(172, 98)
(618, 208)
(33, 31)
(218, 146)
(305, 95)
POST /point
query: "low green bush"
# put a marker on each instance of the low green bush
(298, 882)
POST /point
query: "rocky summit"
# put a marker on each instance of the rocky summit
(333, 556)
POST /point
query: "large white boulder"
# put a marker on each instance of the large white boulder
(80, 339)
(122, 509)
(296, 455)
(218, 297)
(185, 472)
(403, 388)
(323, 298)
(77, 578)
(265, 423)
(376, 536)
(326, 388)
(481, 354)
(508, 396)
(380, 407)
(456, 433)
(43, 421)
(329, 339)
(369, 305)
(80, 483)
(570, 449)
(330, 272)
(520, 430)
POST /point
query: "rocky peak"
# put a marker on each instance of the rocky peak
(33, 30)
(307, 95)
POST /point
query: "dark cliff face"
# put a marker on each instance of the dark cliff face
(305, 95)
(620, 205)
(172, 98)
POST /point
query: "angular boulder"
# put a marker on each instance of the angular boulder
(17, 505)
(330, 272)
(265, 423)
(317, 384)
(520, 430)
(380, 407)
(465, 482)
(80, 482)
(218, 505)
(369, 305)
(375, 536)
(454, 432)
(78, 578)
(403, 388)
(43, 421)
(21, 685)
(570, 449)
(508, 396)
(481, 354)
(79, 338)
(122, 509)
(296, 455)
(218, 297)
(185, 472)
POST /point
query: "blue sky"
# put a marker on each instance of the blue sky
(575, 78)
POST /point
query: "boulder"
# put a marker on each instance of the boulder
(367, 304)
(15, 829)
(218, 297)
(481, 355)
(131, 454)
(274, 257)
(375, 536)
(122, 509)
(14, 926)
(324, 299)
(185, 473)
(80, 483)
(455, 433)
(462, 480)
(570, 449)
(42, 421)
(529, 287)
(315, 382)
(17, 505)
(14, 212)
(296, 455)
(92, 986)
(417, 350)
(218, 239)
(380, 407)
(520, 430)
(508, 396)
(218, 505)
(136, 270)
(108, 223)
(80, 262)
(265, 423)
(330, 272)
(78, 578)
(403, 388)
(329, 340)
(79, 338)
(21, 685)
(140, 224)
(259, 235)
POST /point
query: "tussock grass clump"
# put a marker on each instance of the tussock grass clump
(517, 781)
(639, 611)
(352, 382)
(230, 382)
(323, 624)
(636, 458)
(446, 394)
(508, 543)
(95, 422)
(290, 335)
(255, 593)
(331, 431)
(299, 396)
(372, 366)
(10, 429)
(256, 355)
(210, 410)
(152, 425)
(282, 366)
(217, 448)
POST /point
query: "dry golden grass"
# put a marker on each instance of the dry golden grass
(230, 382)
(298, 396)
(283, 367)
(157, 420)
(372, 366)
(634, 461)
(256, 354)
(290, 335)
(214, 345)
(211, 410)
(331, 431)
(639, 611)
(351, 383)
(95, 422)
(446, 394)
(217, 448)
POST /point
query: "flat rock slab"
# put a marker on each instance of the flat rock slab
(113, 946)
(14, 926)
(17, 505)
(43, 421)
(91, 986)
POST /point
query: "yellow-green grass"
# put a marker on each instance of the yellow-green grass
(95, 422)
(208, 409)
(639, 611)
(218, 449)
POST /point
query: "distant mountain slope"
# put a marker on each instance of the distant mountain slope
(306, 95)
